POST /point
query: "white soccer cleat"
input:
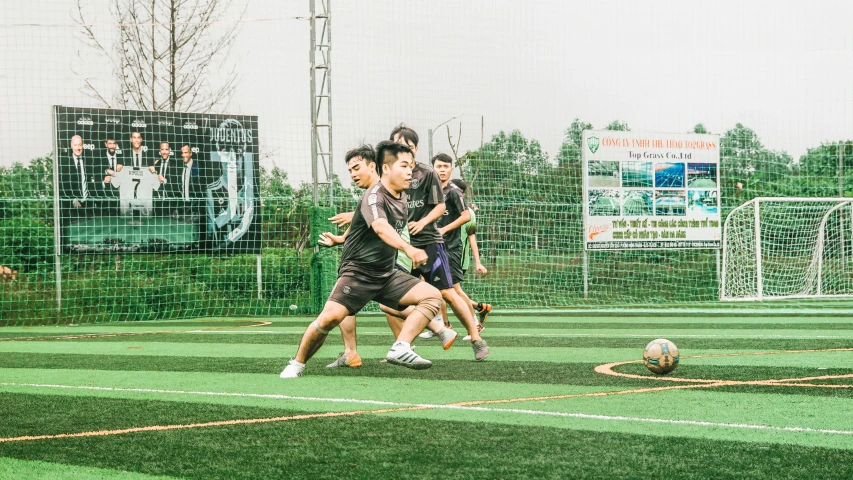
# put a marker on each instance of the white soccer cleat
(405, 357)
(447, 337)
(427, 335)
(293, 369)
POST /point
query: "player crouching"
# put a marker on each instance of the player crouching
(367, 266)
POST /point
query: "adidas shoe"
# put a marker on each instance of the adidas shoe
(483, 312)
(343, 361)
(427, 334)
(481, 350)
(447, 337)
(293, 369)
(405, 357)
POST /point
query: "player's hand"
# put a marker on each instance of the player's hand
(330, 240)
(416, 227)
(342, 219)
(107, 179)
(481, 270)
(111, 171)
(76, 204)
(418, 256)
(118, 167)
(152, 169)
(161, 178)
(441, 231)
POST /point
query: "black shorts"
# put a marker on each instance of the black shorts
(354, 289)
(456, 272)
(436, 271)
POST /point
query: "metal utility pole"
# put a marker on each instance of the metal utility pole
(321, 96)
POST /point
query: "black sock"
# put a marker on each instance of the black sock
(479, 306)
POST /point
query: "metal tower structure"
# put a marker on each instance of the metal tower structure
(321, 96)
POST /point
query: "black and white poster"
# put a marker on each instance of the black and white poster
(135, 181)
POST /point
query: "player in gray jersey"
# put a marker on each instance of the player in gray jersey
(367, 266)
(426, 205)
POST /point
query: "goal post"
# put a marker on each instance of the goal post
(780, 248)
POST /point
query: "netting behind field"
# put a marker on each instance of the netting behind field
(505, 88)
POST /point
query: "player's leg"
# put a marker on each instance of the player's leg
(315, 335)
(349, 295)
(350, 356)
(403, 289)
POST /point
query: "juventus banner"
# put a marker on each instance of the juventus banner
(134, 181)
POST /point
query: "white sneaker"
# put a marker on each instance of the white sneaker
(405, 357)
(447, 337)
(293, 369)
(427, 334)
(466, 337)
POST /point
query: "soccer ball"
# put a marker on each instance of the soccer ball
(293, 308)
(660, 356)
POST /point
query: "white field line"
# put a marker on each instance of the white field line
(585, 416)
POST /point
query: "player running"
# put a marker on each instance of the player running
(426, 205)
(367, 266)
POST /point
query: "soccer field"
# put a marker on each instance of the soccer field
(561, 396)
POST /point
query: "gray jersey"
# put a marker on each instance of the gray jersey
(424, 194)
(364, 251)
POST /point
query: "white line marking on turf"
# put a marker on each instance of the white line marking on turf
(586, 416)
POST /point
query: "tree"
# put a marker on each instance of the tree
(700, 128)
(618, 126)
(570, 150)
(746, 161)
(167, 55)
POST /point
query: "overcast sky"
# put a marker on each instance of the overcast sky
(784, 69)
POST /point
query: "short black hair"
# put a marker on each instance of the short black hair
(460, 183)
(366, 152)
(442, 157)
(387, 149)
(407, 133)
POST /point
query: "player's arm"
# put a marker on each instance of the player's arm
(464, 218)
(390, 236)
(434, 214)
(330, 239)
(436, 197)
(472, 239)
(342, 219)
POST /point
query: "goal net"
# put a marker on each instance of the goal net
(777, 248)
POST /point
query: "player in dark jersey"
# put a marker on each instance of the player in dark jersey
(450, 225)
(367, 266)
(426, 205)
(361, 164)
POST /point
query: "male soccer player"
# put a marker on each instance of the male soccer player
(367, 266)
(426, 205)
(468, 232)
(361, 164)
